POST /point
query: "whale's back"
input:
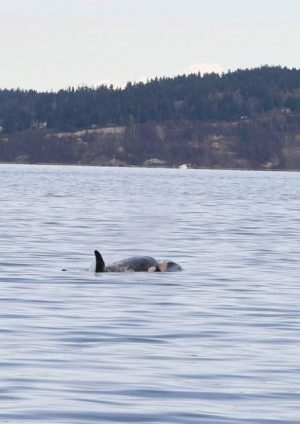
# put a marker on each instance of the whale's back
(134, 264)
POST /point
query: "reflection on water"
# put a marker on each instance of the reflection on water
(217, 343)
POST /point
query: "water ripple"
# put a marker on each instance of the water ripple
(217, 343)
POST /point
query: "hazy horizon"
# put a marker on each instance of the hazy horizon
(123, 86)
(51, 45)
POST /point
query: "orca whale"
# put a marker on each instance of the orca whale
(135, 264)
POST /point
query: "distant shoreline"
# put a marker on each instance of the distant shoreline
(149, 167)
(246, 119)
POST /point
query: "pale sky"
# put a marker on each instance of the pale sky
(52, 44)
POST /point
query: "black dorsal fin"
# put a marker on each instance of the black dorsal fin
(100, 265)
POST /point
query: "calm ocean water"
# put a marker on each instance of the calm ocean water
(217, 343)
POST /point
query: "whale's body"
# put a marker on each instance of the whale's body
(135, 264)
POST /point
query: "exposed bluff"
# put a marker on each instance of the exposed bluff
(271, 141)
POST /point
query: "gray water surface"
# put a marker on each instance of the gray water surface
(216, 343)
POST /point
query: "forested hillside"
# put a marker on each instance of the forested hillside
(194, 97)
(246, 119)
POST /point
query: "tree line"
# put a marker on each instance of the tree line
(209, 97)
